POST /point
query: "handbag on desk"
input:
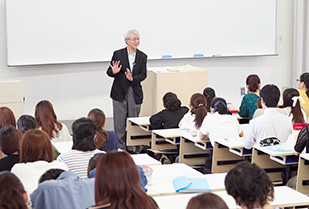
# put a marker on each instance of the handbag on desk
(269, 141)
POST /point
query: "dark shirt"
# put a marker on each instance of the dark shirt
(302, 140)
(167, 119)
(111, 143)
(8, 162)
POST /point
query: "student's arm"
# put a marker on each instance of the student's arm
(249, 137)
(243, 109)
(302, 140)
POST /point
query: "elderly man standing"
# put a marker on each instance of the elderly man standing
(128, 68)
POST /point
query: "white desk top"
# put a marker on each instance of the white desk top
(305, 156)
(173, 171)
(144, 159)
(171, 132)
(164, 186)
(284, 197)
(277, 150)
(140, 120)
(232, 142)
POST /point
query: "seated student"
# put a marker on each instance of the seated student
(26, 122)
(291, 103)
(92, 169)
(117, 184)
(249, 101)
(12, 192)
(46, 119)
(63, 189)
(250, 186)
(271, 123)
(9, 145)
(7, 117)
(171, 115)
(36, 157)
(219, 124)
(104, 140)
(193, 119)
(206, 201)
(83, 147)
(303, 87)
(210, 94)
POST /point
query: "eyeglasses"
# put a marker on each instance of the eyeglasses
(134, 39)
(298, 80)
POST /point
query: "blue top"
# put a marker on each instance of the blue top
(248, 105)
(111, 143)
(67, 191)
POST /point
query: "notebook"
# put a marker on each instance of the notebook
(185, 184)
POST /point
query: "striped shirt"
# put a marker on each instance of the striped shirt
(77, 161)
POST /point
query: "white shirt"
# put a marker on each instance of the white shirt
(270, 124)
(30, 173)
(220, 126)
(187, 122)
(131, 58)
(63, 135)
(77, 161)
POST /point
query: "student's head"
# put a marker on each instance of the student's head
(12, 192)
(9, 140)
(26, 122)
(303, 81)
(99, 118)
(53, 173)
(249, 185)
(198, 105)
(35, 145)
(291, 99)
(83, 130)
(209, 94)
(7, 117)
(206, 201)
(117, 181)
(253, 83)
(171, 102)
(219, 105)
(270, 95)
(93, 162)
(46, 118)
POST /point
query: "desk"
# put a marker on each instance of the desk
(228, 152)
(144, 159)
(164, 139)
(303, 174)
(274, 159)
(164, 186)
(138, 131)
(284, 197)
(192, 150)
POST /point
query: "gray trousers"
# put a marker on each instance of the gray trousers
(123, 110)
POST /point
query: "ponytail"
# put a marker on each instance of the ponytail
(100, 138)
(198, 103)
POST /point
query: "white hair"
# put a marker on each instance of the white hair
(127, 34)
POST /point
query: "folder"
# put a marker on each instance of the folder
(185, 184)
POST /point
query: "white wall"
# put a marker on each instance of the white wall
(76, 88)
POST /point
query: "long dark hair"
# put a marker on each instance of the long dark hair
(117, 183)
(296, 112)
(219, 105)
(198, 104)
(46, 118)
(99, 118)
(83, 131)
(209, 94)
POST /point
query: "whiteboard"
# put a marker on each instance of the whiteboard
(73, 31)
